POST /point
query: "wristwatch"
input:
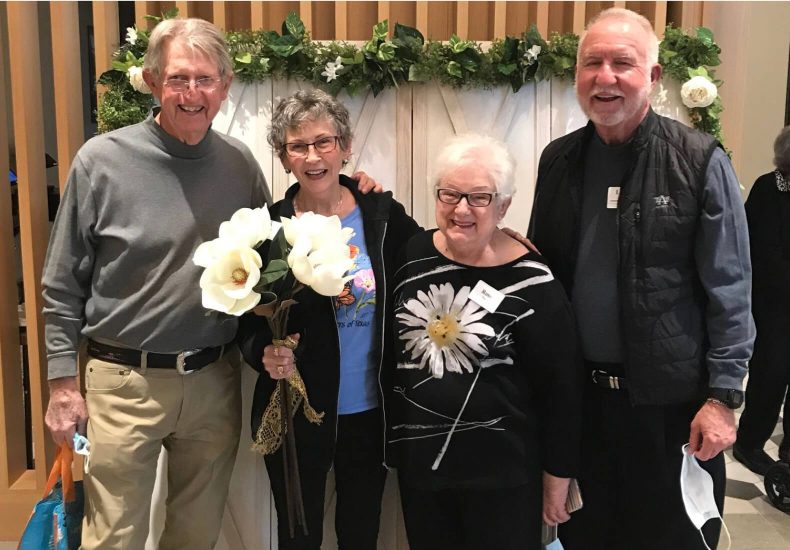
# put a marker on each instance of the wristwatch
(727, 397)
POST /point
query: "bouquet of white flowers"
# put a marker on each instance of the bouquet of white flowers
(308, 251)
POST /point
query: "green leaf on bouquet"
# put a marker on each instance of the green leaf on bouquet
(274, 271)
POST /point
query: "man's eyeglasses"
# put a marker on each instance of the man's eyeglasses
(324, 145)
(180, 84)
(476, 199)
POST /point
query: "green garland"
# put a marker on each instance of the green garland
(385, 62)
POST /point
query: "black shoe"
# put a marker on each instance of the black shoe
(757, 460)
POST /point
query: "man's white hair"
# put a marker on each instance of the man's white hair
(622, 14)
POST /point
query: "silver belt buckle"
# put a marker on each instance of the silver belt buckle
(181, 359)
(612, 382)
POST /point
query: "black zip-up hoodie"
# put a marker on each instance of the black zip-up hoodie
(387, 228)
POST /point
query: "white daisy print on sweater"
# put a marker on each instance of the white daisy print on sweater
(444, 332)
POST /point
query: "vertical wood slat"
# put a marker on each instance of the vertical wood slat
(257, 16)
(660, 18)
(67, 82)
(690, 15)
(24, 53)
(579, 17)
(219, 17)
(341, 20)
(403, 133)
(500, 19)
(422, 17)
(306, 14)
(542, 18)
(185, 8)
(13, 454)
(383, 13)
(462, 20)
(141, 9)
(105, 36)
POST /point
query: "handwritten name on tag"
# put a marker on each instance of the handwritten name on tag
(612, 196)
(486, 296)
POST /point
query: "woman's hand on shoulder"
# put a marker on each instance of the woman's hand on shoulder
(279, 361)
(555, 495)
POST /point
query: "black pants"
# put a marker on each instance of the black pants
(359, 481)
(630, 478)
(769, 376)
(468, 519)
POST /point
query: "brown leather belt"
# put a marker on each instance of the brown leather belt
(185, 362)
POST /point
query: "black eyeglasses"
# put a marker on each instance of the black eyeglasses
(477, 199)
(181, 84)
(324, 145)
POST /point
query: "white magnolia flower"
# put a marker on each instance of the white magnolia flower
(131, 35)
(446, 334)
(531, 55)
(330, 71)
(698, 92)
(135, 75)
(320, 256)
(247, 226)
(231, 272)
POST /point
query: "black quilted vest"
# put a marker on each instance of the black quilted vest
(662, 300)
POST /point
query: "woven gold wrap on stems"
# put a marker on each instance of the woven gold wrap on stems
(269, 436)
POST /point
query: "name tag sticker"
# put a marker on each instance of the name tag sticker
(612, 195)
(486, 296)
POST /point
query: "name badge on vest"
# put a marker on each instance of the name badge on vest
(486, 296)
(612, 195)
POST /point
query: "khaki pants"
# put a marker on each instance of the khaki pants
(197, 417)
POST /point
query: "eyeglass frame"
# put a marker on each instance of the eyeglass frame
(190, 82)
(462, 196)
(291, 154)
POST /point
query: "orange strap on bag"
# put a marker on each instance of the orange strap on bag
(61, 469)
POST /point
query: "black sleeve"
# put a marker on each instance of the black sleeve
(551, 348)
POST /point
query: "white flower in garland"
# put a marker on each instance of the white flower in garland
(698, 91)
(446, 334)
(135, 75)
(330, 71)
(131, 35)
(531, 55)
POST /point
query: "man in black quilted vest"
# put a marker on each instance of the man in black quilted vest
(642, 220)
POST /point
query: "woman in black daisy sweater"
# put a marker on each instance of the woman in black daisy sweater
(483, 410)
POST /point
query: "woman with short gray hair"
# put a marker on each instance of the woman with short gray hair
(768, 216)
(343, 340)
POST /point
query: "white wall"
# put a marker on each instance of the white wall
(754, 38)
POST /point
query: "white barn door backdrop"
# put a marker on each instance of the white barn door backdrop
(397, 136)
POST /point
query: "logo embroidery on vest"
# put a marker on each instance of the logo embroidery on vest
(662, 201)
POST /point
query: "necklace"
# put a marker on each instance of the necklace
(781, 183)
(299, 209)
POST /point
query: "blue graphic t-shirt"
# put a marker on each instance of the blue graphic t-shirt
(354, 312)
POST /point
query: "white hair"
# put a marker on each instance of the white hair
(483, 151)
(622, 14)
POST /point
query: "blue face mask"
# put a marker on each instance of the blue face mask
(696, 488)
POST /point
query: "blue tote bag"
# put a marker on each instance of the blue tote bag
(56, 521)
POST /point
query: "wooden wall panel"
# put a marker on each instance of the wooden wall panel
(106, 36)
(519, 16)
(480, 24)
(361, 17)
(323, 14)
(560, 17)
(238, 15)
(440, 20)
(13, 454)
(404, 13)
(67, 82)
(24, 55)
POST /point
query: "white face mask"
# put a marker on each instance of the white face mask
(696, 488)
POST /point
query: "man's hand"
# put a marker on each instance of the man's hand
(520, 238)
(712, 430)
(366, 184)
(555, 494)
(66, 413)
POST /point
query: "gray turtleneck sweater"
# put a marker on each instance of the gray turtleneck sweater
(137, 204)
